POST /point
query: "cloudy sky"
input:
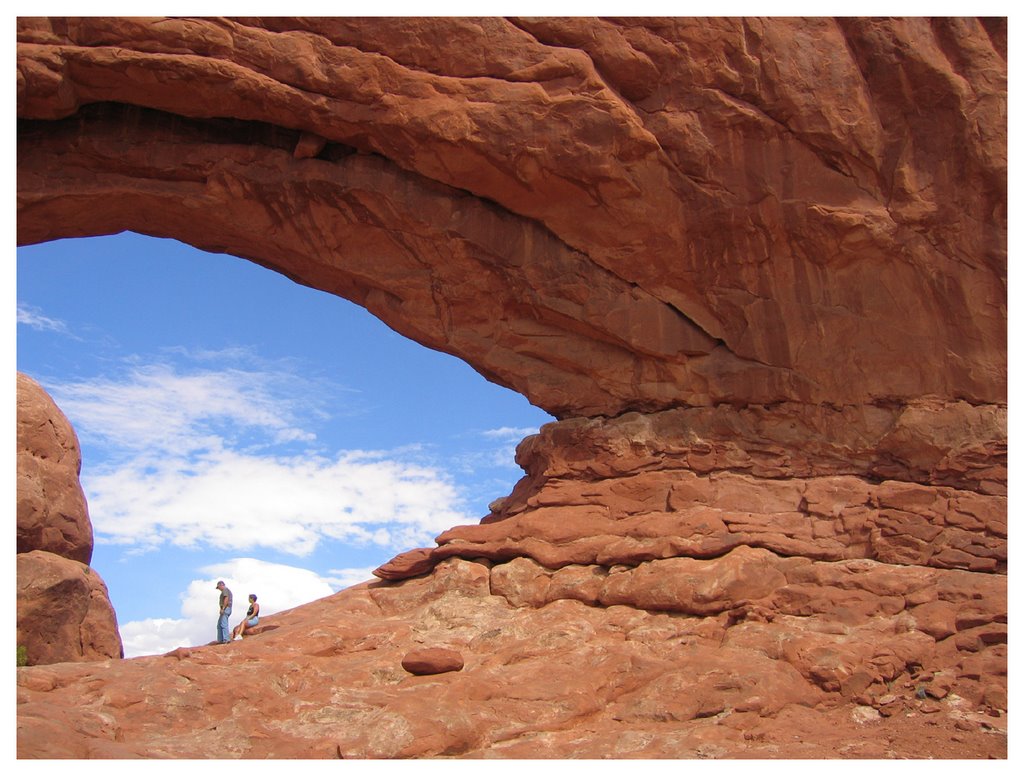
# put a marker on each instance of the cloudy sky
(237, 425)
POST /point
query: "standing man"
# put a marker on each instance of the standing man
(225, 612)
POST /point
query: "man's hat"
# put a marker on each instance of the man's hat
(221, 583)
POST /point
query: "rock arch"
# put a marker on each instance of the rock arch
(793, 266)
(707, 217)
(755, 267)
(798, 260)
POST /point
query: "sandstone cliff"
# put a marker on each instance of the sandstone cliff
(755, 267)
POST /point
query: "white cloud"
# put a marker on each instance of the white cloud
(198, 458)
(345, 578)
(498, 451)
(216, 355)
(507, 432)
(278, 587)
(33, 318)
(236, 501)
(161, 634)
(157, 410)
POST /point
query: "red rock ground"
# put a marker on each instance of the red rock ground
(562, 681)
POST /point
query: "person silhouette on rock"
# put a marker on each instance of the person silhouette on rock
(252, 617)
(225, 612)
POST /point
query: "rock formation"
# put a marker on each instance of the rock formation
(52, 513)
(755, 267)
(921, 484)
(713, 211)
(433, 660)
(64, 610)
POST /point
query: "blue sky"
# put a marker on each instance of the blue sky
(237, 425)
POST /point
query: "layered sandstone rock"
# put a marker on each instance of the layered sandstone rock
(63, 607)
(755, 267)
(923, 484)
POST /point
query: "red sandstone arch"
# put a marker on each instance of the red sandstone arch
(782, 241)
(603, 215)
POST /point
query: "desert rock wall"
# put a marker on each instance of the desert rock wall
(921, 485)
(713, 210)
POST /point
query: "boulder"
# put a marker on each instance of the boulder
(64, 611)
(52, 511)
(433, 660)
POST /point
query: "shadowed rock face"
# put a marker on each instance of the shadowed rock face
(64, 611)
(757, 269)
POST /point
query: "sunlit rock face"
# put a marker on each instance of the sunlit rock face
(824, 670)
(63, 607)
(757, 270)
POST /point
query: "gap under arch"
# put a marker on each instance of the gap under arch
(325, 396)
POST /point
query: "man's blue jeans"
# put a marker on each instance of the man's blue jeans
(222, 626)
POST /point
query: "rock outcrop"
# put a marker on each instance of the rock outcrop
(52, 512)
(921, 484)
(63, 607)
(64, 611)
(755, 267)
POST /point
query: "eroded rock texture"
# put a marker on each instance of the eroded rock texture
(52, 512)
(836, 669)
(64, 611)
(711, 210)
(922, 484)
(755, 267)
